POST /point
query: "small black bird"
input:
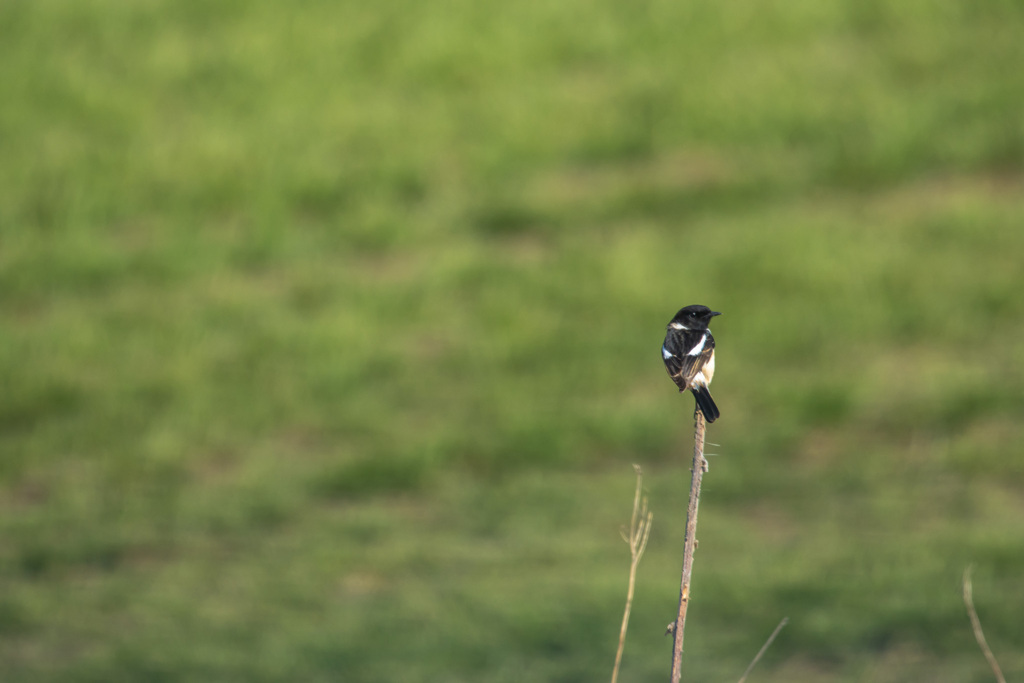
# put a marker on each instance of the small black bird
(689, 355)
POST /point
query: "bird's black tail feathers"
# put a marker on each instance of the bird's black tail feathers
(705, 403)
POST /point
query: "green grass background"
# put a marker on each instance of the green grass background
(329, 332)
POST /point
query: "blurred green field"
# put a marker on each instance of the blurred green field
(329, 333)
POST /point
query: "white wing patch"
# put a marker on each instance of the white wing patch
(665, 353)
(695, 351)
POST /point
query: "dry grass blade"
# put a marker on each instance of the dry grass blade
(639, 532)
(764, 648)
(979, 635)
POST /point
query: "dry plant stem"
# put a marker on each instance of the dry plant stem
(764, 648)
(689, 544)
(639, 532)
(979, 635)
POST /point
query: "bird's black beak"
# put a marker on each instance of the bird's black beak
(714, 313)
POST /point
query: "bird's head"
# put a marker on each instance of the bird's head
(694, 317)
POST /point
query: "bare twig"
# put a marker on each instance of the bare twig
(689, 545)
(639, 532)
(979, 635)
(764, 648)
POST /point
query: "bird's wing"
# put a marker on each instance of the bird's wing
(681, 365)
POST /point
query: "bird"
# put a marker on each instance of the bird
(689, 355)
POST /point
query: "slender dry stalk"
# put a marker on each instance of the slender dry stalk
(979, 635)
(639, 532)
(700, 466)
(764, 648)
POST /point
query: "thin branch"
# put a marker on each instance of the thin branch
(764, 648)
(979, 635)
(700, 466)
(639, 532)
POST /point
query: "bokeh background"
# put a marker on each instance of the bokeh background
(330, 333)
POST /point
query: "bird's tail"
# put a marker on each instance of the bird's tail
(705, 403)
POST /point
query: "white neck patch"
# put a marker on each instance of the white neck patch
(678, 326)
